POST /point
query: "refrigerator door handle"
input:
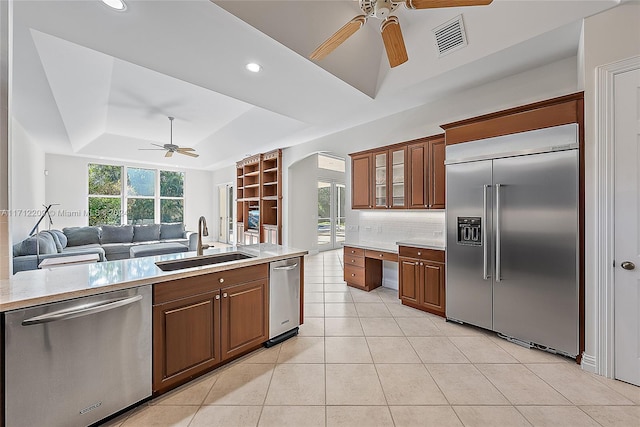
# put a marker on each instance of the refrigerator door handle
(498, 278)
(485, 257)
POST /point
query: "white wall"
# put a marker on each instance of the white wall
(608, 37)
(27, 187)
(67, 185)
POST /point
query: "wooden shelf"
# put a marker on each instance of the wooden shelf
(252, 186)
(271, 170)
(254, 173)
(271, 197)
(270, 183)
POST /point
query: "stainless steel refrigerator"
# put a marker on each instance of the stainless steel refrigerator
(512, 236)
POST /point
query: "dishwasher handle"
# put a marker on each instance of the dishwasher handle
(81, 311)
(287, 267)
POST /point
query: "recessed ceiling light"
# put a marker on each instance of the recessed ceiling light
(115, 4)
(253, 67)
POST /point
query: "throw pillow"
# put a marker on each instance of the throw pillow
(146, 233)
(56, 240)
(171, 230)
(77, 236)
(61, 238)
(116, 234)
(29, 246)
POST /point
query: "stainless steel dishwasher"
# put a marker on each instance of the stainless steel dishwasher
(284, 300)
(76, 362)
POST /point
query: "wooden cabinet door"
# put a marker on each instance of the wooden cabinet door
(432, 287)
(417, 188)
(361, 177)
(397, 178)
(437, 174)
(380, 163)
(409, 280)
(186, 339)
(244, 321)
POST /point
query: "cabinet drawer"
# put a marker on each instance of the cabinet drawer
(349, 251)
(354, 260)
(385, 256)
(426, 254)
(183, 288)
(354, 275)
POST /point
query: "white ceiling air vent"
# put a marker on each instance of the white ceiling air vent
(450, 36)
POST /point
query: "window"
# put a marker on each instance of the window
(171, 196)
(105, 194)
(147, 199)
(141, 192)
(332, 163)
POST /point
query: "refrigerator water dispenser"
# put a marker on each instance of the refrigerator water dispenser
(470, 231)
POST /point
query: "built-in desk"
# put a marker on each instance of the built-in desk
(363, 265)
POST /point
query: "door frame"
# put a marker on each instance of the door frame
(602, 362)
(230, 203)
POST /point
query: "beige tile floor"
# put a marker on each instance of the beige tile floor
(363, 360)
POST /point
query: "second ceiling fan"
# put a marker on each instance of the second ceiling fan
(390, 28)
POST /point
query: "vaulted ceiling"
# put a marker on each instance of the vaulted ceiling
(91, 81)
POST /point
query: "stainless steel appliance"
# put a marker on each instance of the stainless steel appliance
(284, 300)
(512, 236)
(76, 362)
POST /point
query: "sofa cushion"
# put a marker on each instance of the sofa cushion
(62, 239)
(173, 230)
(78, 236)
(145, 233)
(116, 234)
(29, 246)
(115, 251)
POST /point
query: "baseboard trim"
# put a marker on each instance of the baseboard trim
(589, 363)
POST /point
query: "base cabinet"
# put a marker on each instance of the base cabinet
(422, 279)
(198, 324)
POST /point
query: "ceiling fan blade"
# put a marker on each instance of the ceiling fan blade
(151, 149)
(169, 154)
(186, 149)
(338, 37)
(157, 145)
(393, 41)
(433, 4)
(186, 153)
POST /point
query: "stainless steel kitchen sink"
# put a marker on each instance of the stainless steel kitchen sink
(200, 261)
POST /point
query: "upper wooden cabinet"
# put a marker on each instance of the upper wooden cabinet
(390, 177)
(408, 175)
(361, 177)
(426, 187)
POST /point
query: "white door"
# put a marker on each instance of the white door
(627, 226)
(225, 209)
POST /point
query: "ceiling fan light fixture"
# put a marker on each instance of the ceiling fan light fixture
(119, 5)
(253, 67)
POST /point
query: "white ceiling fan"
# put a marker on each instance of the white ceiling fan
(390, 27)
(173, 148)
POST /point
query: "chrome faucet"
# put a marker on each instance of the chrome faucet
(202, 231)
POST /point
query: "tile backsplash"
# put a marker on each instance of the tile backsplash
(390, 226)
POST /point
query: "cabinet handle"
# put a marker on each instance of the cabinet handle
(353, 252)
(217, 296)
(224, 295)
(421, 263)
(380, 255)
(222, 280)
(419, 253)
(353, 260)
(353, 274)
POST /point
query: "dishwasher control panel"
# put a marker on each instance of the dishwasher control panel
(470, 231)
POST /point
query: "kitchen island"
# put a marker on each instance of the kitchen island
(143, 324)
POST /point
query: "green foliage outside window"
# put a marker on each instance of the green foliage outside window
(105, 180)
(171, 184)
(140, 211)
(171, 210)
(105, 211)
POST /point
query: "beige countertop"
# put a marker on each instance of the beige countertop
(31, 288)
(423, 244)
(393, 247)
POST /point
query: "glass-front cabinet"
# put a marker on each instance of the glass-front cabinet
(390, 178)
